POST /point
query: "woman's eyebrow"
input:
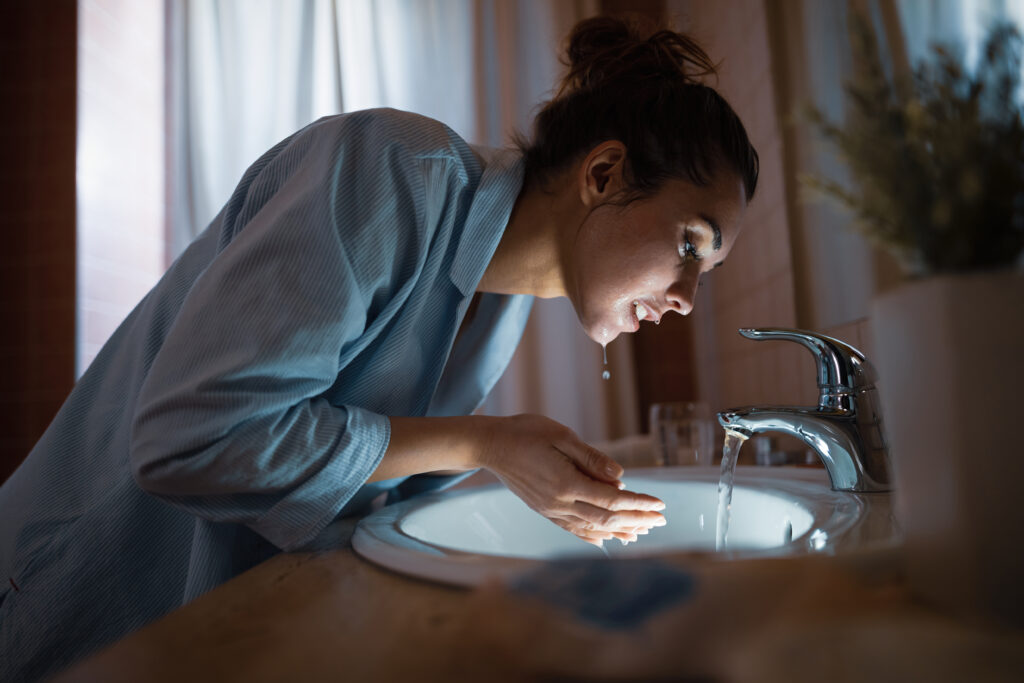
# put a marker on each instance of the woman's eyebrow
(716, 240)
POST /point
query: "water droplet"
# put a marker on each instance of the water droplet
(606, 375)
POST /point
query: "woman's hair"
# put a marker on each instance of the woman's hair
(643, 91)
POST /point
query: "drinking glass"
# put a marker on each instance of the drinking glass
(682, 433)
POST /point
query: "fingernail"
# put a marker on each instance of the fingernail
(660, 521)
(612, 470)
(620, 485)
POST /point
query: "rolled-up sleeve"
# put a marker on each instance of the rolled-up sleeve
(232, 423)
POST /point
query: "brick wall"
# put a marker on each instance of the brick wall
(37, 219)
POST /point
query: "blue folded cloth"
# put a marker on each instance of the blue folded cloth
(612, 594)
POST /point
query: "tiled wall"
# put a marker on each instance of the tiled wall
(37, 219)
(756, 286)
(121, 241)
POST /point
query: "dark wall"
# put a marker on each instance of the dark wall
(38, 81)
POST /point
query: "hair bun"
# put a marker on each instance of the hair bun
(591, 37)
(603, 49)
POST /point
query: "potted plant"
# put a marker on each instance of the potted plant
(937, 162)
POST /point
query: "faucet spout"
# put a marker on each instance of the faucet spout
(844, 429)
(834, 435)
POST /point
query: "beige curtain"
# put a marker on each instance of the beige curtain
(836, 272)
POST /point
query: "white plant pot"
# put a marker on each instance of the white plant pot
(951, 379)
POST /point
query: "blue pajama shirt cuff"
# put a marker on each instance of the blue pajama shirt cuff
(297, 519)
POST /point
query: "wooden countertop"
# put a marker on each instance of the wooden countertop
(332, 616)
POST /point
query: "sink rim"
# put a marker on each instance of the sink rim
(379, 538)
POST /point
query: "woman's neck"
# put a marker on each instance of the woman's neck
(530, 259)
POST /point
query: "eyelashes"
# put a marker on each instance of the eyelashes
(687, 251)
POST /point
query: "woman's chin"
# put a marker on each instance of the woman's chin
(604, 330)
(604, 333)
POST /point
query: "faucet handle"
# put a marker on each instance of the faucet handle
(841, 368)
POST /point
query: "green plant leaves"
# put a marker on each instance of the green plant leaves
(938, 161)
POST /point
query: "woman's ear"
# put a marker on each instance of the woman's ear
(602, 173)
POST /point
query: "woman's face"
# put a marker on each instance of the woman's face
(639, 261)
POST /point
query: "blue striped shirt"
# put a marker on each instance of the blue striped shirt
(242, 405)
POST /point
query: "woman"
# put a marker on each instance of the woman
(327, 338)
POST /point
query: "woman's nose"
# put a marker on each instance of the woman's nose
(681, 294)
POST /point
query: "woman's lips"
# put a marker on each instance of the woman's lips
(642, 311)
(637, 312)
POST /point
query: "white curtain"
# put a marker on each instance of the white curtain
(243, 75)
(960, 23)
(246, 73)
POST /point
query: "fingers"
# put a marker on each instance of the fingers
(606, 472)
(616, 521)
(581, 529)
(599, 542)
(632, 534)
(610, 498)
(594, 505)
(585, 532)
(591, 461)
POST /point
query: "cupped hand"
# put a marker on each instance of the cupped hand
(565, 480)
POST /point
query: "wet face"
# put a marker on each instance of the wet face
(641, 261)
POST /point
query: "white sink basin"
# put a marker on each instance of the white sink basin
(464, 536)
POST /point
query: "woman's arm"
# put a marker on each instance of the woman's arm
(543, 462)
(233, 422)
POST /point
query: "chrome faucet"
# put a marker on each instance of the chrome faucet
(844, 429)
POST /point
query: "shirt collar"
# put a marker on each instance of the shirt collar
(488, 215)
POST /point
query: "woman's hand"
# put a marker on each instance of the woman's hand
(575, 486)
